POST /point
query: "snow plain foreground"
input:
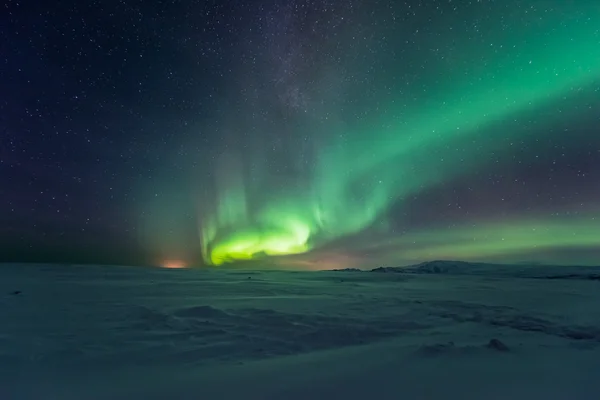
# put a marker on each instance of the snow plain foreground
(94, 332)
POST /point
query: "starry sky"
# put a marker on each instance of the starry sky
(300, 133)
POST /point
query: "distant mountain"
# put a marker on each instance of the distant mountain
(347, 270)
(441, 267)
(500, 270)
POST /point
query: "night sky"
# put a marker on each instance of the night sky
(323, 134)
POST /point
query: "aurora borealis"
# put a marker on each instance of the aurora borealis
(301, 133)
(506, 81)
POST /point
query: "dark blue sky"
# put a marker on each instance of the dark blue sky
(113, 114)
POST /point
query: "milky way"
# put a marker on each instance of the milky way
(353, 126)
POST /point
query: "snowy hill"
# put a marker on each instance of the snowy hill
(95, 332)
(499, 270)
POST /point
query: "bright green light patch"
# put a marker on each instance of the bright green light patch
(288, 237)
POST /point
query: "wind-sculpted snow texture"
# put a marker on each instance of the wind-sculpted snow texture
(73, 332)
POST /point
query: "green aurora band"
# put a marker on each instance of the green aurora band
(446, 129)
(512, 236)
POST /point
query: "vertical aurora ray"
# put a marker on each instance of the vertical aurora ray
(447, 127)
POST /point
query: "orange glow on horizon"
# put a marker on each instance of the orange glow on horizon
(173, 264)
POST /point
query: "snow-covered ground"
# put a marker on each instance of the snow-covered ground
(93, 332)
